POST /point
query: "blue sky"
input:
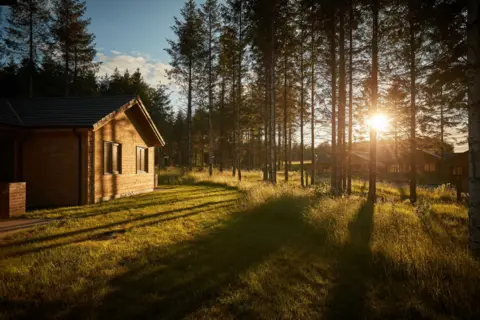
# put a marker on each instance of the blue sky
(132, 34)
(127, 25)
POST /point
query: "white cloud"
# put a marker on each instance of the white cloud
(153, 71)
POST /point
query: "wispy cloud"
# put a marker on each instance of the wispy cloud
(153, 71)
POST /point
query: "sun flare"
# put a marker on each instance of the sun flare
(379, 122)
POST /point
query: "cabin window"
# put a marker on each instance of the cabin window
(394, 168)
(429, 167)
(142, 159)
(457, 171)
(112, 157)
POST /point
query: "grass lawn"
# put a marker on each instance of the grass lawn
(203, 248)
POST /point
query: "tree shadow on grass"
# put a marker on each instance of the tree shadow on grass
(347, 299)
(18, 248)
(155, 198)
(173, 283)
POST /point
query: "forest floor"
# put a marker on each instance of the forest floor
(215, 248)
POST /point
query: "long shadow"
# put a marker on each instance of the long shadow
(112, 225)
(174, 282)
(140, 201)
(105, 234)
(347, 299)
(156, 202)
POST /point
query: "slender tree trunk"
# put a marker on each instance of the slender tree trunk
(67, 55)
(413, 111)
(312, 111)
(395, 129)
(272, 101)
(222, 126)
(210, 96)
(285, 115)
(266, 124)
(302, 107)
(333, 66)
(350, 101)
(239, 103)
(234, 109)
(442, 125)
(441, 168)
(31, 63)
(474, 124)
(290, 147)
(342, 103)
(279, 146)
(75, 70)
(189, 114)
(372, 185)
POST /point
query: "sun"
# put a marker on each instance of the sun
(379, 122)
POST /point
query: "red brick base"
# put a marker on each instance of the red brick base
(12, 199)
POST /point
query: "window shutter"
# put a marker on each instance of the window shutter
(119, 158)
(146, 160)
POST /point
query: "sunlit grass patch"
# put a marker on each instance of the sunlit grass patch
(215, 248)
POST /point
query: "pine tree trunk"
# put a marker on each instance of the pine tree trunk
(189, 114)
(31, 64)
(413, 111)
(273, 160)
(75, 70)
(234, 136)
(290, 147)
(333, 66)
(67, 55)
(285, 116)
(210, 97)
(350, 102)
(474, 124)
(312, 111)
(342, 103)
(279, 146)
(302, 106)
(222, 127)
(372, 185)
(239, 100)
(266, 124)
(442, 126)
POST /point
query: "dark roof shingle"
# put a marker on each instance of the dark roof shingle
(60, 112)
(7, 114)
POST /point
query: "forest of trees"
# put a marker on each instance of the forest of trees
(47, 50)
(265, 80)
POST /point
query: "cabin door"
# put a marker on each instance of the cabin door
(7, 158)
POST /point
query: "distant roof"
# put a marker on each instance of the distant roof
(60, 112)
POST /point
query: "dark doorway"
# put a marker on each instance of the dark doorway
(7, 158)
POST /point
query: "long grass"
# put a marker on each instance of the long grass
(216, 248)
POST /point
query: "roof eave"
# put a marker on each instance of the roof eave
(100, 123)
(136, 101)
(159, 137)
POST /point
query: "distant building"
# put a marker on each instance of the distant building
(393, 163)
